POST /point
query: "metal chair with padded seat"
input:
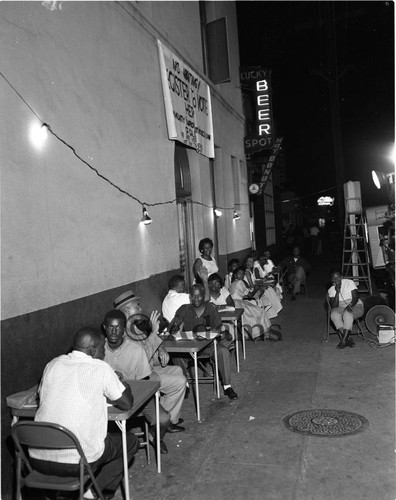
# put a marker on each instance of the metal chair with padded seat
(46, 435)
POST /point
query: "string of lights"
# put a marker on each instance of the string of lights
(143, 204)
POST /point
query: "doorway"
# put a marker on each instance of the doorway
(184, 213)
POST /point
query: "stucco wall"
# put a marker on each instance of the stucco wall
(70, 241)
(91, 72)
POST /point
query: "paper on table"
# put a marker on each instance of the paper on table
(226, 308)
(184, 335)
(207, 335)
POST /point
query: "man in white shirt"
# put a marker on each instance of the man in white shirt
(73, 392)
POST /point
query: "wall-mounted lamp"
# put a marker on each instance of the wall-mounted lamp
(146, 219)
(380, 179)
(38, 134)
(218, 213)
(236, 215)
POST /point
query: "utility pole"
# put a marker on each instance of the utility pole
(332, 75)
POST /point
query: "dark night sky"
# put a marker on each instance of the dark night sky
(291, 39)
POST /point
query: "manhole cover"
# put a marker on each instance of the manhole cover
(325, 423)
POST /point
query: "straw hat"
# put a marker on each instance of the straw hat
(124, 298)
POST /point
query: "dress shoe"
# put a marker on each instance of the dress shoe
(175, 428)
(231, 393)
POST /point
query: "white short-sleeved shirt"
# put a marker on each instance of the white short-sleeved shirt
(73, 393)
(266, 269)
(130, 359)
(221, 299)
(345, 296)
(172, 302)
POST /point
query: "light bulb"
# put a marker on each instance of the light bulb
(146, 219)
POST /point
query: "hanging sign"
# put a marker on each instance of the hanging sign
(267, 167)
(187, 103)
(257, 83)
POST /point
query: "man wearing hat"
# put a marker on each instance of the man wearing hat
(141, 329)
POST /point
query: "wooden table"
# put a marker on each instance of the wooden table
(142, 391)
(235, 316)
(193, 347)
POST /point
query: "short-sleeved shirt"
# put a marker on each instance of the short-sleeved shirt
(73, 393)
(210, 317)
(345, 296)
(130, 359)
(172, 302)
(221, 299)
(266, 269)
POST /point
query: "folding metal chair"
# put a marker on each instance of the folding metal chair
(332, 331)
(46, 435)
(303, 287)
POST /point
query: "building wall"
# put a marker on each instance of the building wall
(70, 241)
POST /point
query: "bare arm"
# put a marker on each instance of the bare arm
(355, 298)
(197, 266)
(334, 301)
(125, 402)
(203, 274)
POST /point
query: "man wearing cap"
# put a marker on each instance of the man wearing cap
(173, 382)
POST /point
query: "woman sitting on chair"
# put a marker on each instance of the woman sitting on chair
(345, 306)
(255, 319)
(267, 296)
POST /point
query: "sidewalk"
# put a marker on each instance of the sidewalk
(241, 449)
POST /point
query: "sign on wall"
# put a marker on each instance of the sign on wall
(256, 81)
(267, 167)
(187, 103)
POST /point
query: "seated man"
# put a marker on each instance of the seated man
(199, 315)
(296, 268)
(73, 393)
(129, 360)
(177, 295)
(171, 378)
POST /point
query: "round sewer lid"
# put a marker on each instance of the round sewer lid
(325, 423)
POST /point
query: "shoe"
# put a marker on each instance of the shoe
(350, 343)
(163, 448)
(180, 421)
(91, 493)
(175, 428)
(231, 393)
